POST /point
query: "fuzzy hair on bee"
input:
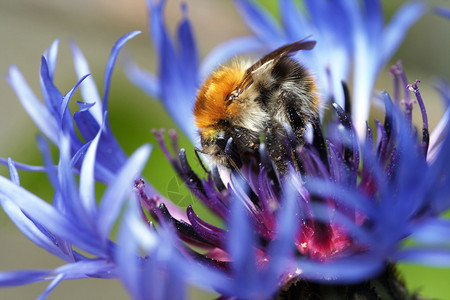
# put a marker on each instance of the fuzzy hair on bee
(240, 105)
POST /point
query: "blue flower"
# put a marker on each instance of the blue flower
(74, 219)
(53, 116)
(342, 217)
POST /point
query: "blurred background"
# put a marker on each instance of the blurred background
(28, 27)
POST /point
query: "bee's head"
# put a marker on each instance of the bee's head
(213, 110)
(215, 98)
(217, 110)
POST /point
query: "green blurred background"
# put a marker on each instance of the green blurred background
(28, 27)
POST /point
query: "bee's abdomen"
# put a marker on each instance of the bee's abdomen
(288, 80)
(287, 69)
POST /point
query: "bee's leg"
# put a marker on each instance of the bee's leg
(319, 142)
(296, 120)
(245, 145)
(278, 147)
(298, 125)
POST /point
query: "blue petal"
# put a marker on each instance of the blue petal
(178, 97)
(142, 276)
(429, 257)
(118, 189)
(373, 17)
(71, 205)
(355, 17)
(48, 161)
(49, 217)
(395, 32)
(143, 79)
(109, 153)
(51, 55)
(87, 181)
(88, 89)
(365, 72)
(432, 232)
(294, 22)
(14, 278)
(362, 236)
(174, 286)
(55, 103)
(443, 125)
(87, 124)
(87, 268)
(28, 228)
(260, 22)
(52, 96)
(155, 11)
(127, 254)
(35, 109)
(67, 118)
(24, 167)
(374, 47)
(240, 245)
(188, 50)
(319, 13)
(165, 259)
(69, 95)
(104, 172)
(443, 11)
(13, 174)
(227, 50)
(330, 67)
(111, 62)
(51, 286)
(340, 26)
(347, 197)
(81, 269)
(79, 155)
(110, 156)
(280, 249)
(84, 106)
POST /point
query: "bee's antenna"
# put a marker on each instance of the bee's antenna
(197, 151)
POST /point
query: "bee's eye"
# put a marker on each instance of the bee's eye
(232, 97)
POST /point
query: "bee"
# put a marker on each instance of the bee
(241, 105)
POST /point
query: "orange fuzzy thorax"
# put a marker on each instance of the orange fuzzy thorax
(210, 106)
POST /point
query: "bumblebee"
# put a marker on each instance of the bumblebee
(241, 105)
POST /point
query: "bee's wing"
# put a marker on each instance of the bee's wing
(286, 50)
(274, 56)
